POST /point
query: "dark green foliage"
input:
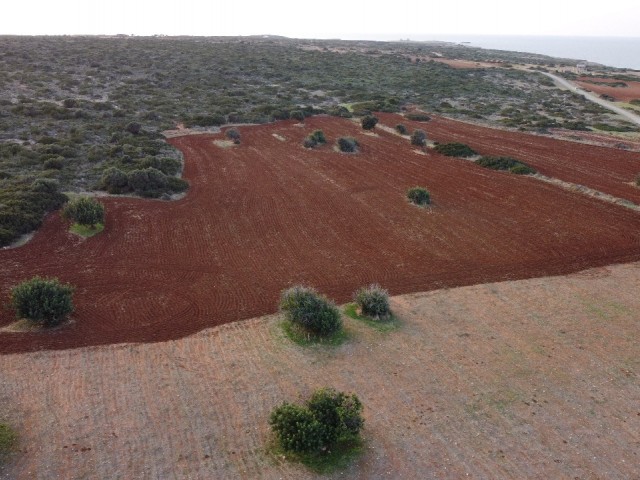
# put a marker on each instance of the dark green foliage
(305, 307)
(147, 182)
(328, 417)
(133, 128)
(55, 163)
(297, 115)
(369, 122)
(373, 301)
(347, 144)
(455, 149)
(419, 138)
(114, 181)
(315, 138)
(505, 163)
(418, 117)
(205, 121)
(43, 300)
(340, 111)
(84, 211)
(401, 129)
(605, 127)
(419, 196)
(8, 440)
(168, 166)
(233, 134)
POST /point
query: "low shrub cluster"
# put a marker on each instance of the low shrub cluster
(327, 418)
(147, 182)
(419, 138)
(315, 138)
(455, 149)
(418, 117)
(233, 134)
(419, 196)
(401, 129)
(369, 122)
(42, 300)
(505, 163)
(85, 211)
(373, 301)
(347, 144)
(305, 307)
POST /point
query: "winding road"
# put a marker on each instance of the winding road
(561, 82)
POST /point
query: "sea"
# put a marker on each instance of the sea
(621, 52)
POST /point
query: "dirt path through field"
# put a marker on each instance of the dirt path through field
(526, 379)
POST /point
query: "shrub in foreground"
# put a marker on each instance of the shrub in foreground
(419, 138)
(419, 196)
(42, 300)
(373, 301)
(85, 211)
(347, 144)
(327, 417)
(305, 307)
(455, 149)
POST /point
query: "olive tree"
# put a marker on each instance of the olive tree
(42, 300)
(84, 211)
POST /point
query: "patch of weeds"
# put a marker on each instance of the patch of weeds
(85, 230)
(8, 440)
(386, 325)
(303, 337)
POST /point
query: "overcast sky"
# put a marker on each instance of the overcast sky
(322, 18)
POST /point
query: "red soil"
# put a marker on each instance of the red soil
(609, 170)
(268, 213)
(623, 94)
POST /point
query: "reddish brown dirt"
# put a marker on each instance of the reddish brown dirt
(268, 213)
(623, 94)
(609, 170)
(533, 379)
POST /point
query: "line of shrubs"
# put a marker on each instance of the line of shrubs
(506, 163)
(147, 182)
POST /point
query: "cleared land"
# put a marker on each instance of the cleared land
(523, 379)
(268, 213)
(621, 93)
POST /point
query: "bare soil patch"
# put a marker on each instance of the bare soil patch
(524, 379)
(623, 94)
(264, 215)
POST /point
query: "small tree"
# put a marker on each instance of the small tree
(43, 300)
(373, 301)
(369, 122)
(304, 306)
(419, 138)
(419, 196)
(401, 129)
(347, 144)
(84, 211)
(327, 418)
(233, 134)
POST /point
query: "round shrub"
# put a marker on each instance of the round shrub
(318, 136)
(147, 182)
(373, 301)
(419, 196)
(401, 129)
(326, 418)
(369, 122)
(43, 300)
(347, 144)
(419, 138)
(114, 181)
(304, 306)
(84, 211)
(297, 115)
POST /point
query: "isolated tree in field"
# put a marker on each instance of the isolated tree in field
(347, 144)
(327, 417)
(305, 307)
(369, 122)
(85, 211)
(419, 138)
(401, 129)
(419, 196)
(42, 300)
(233, 134)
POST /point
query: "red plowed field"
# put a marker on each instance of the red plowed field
(268, 213)
(609, 170)
(624, 94)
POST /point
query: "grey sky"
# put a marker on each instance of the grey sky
(322, 19)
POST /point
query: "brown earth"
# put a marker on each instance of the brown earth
(623, 94)
(269, 214)
(524, 379)
(610, 170)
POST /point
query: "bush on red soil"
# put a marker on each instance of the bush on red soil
(347, 144)
(455, 149)
(42, 300)
(419, 138)
(373, 301)
(307, 308)
(369, 122)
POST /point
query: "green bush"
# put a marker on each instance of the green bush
(401, 129)
(305, 307)
(347, 144)
(133, 128)
(114, 181)
(505, 163)
(297, 115)
(455, 149)
(8, 439)
(419, 138)
(148, 182)
(373, 301)
(418, 117)
(55, 163)
(313, 139)
(84, 211)
(327, 418)
(43, 300)
(419, 196)
(369, 122)
(233, 134)
(168, 166)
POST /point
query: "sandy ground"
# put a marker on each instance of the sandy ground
(524, 379)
